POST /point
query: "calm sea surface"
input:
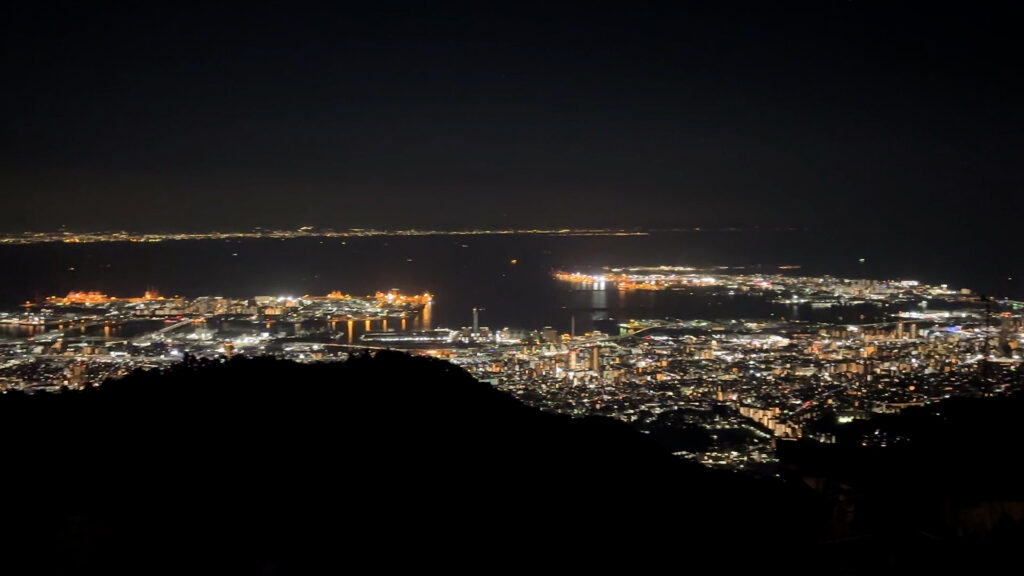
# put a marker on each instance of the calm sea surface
(468, 271)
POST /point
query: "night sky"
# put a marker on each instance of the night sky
(831, 114)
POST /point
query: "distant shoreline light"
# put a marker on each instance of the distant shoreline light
(69, 237)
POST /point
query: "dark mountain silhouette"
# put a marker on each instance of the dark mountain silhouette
(960, 447)
(948, 472)
(263, 464)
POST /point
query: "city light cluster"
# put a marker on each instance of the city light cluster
(738, 387)
(819, 291)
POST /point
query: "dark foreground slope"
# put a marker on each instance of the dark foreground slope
(951, 469)
(265, 466)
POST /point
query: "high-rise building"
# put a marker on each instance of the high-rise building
(595, 359)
